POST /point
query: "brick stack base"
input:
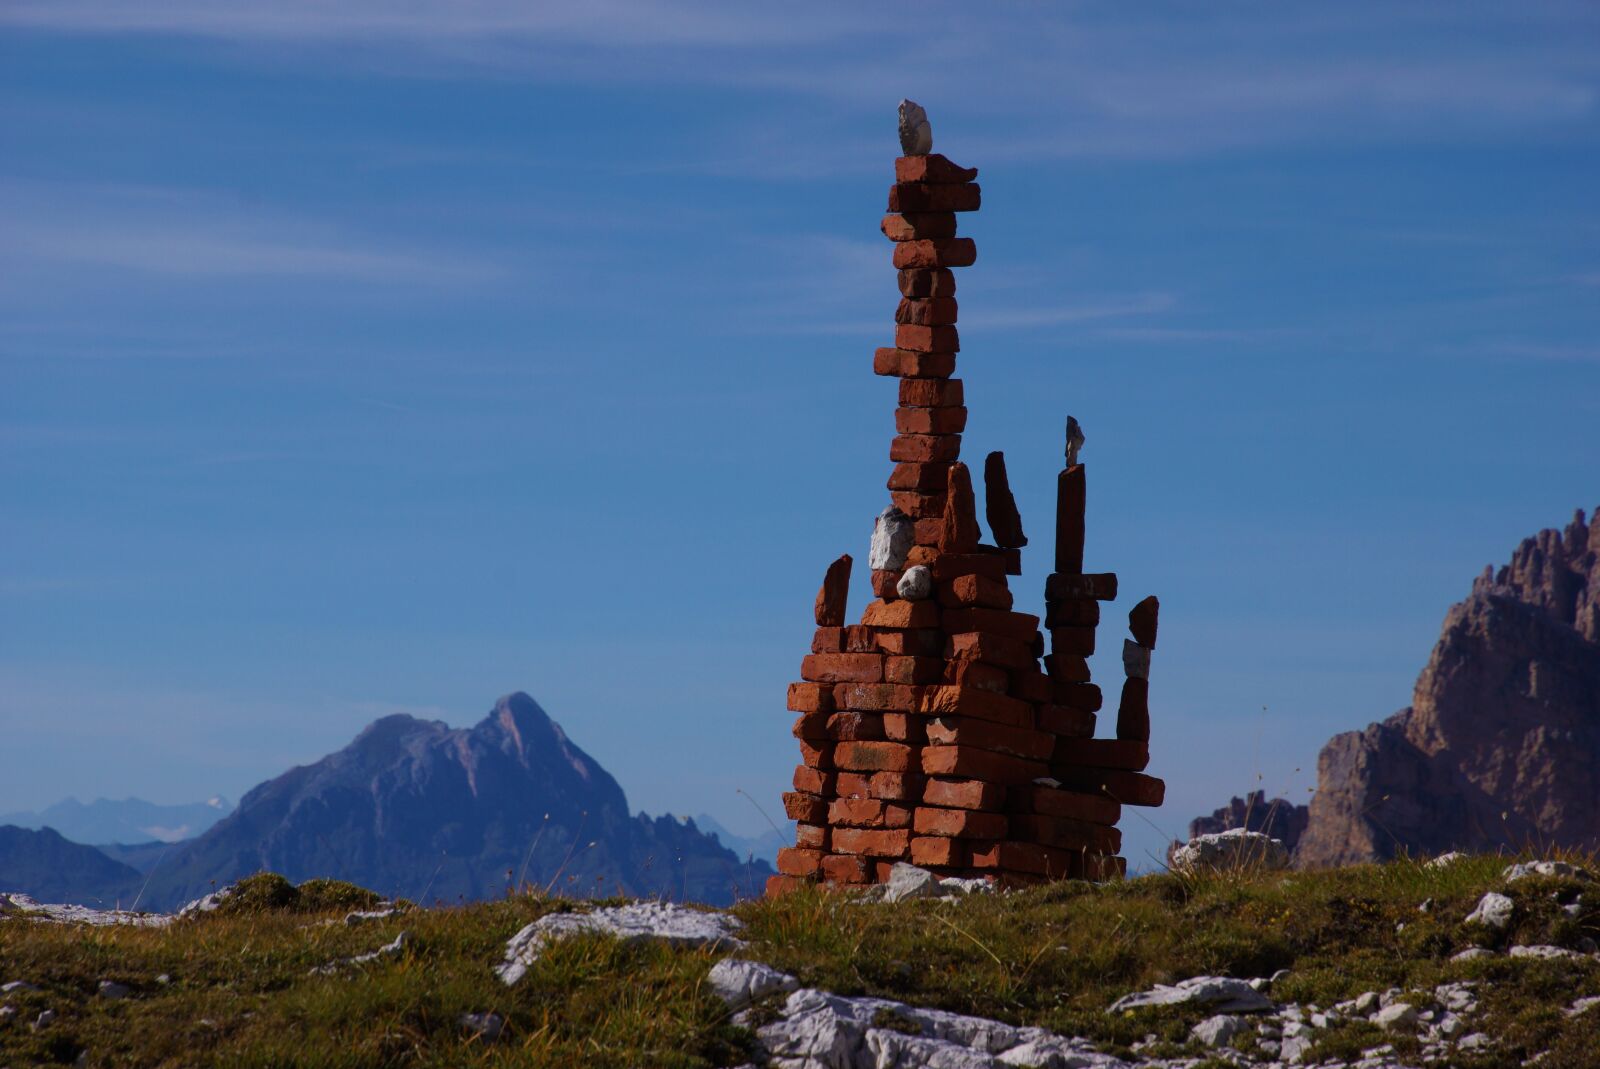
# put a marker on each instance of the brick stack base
(929, 732)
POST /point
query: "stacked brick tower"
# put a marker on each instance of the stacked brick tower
(929, 732)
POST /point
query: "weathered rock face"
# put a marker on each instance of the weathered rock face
(1501, 743)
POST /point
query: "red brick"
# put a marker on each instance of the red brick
(1133, 711)
(964, 793)
(1071, 494)
(972, 763)
(867, 813)
(939, 851)
(900, 615)
(873, 842)
(923, 448)
(992, 649)
(960, 532)
(813, 726)
(918, 505)
(1025, 857)
(811, 836)
(1104, 753)
(851, 785)
(927, 312)
(913, 669)
(928, 284)
(809, 780)
(1142, 621)
(976, 674)
(926, 532)
(905, 727)
(919, 226)
(930, 420)
(859, 639)
(854, 727)
(1031, 685)
(1011, 556)
(793, 861)
(818, 755)
(847, 869)
(828, 640)
(778, 886)
(904, 363)
(973, 701)
(1085, 696)
(942, 252)
(918, 642)
(987, 735)
(873, 757)
(845, 667)
(960, 823)
(1074, 641)
(874, 697)
(831, 599)
(1017, 625)
(927, 339)
(1066, 668)
(1066, 834)
(895, 786)
(927, 197)
(1081, 613)
(1052, 801)
(968, 591)
(929, 477)
(1000, 505)
(1063, 720)
(810, 698)
(884, 583)
(932, 393)
(932, 168)
(1066, 586)
(805, 808)
(1129, 788)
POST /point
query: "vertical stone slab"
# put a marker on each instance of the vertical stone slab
(999, 506)
(959, 532)
(1071, 499)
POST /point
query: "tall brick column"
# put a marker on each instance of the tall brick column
(928, 731)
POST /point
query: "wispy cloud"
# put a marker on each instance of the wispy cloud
(190, 235)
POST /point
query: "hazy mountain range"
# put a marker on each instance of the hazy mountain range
(130, 820)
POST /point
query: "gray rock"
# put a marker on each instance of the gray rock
(1075, 440)
(1135, 660)
(164, 979)
(1222, 992)
(60, 913)
(1446, 860)
(485, 1026)
(916, 135)
(1583, 1005)
(17, 985)
(1547, 953)
(739, 983)
(958, 885)
(664, 921)
(113, 990)
(1494, 909)
(888, 1049)
(892, 537)
(1397, 1017)
(1476, 1041)
(909, 881)
(7, 1012)
(362, 916)
(1217, 1031)
(1472, 954)
(399, 943)
(1544, 868)
(44, 1019)
(1236, 848)
(916, 584)
(1294, 1049)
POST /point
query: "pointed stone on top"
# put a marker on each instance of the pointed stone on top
(959, 531)
(916, 136)
(1142, 621)
(832, 598)
(1075, 441)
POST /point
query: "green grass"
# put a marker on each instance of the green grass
(241, 991)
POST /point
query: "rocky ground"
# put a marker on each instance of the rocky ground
(1463, 961)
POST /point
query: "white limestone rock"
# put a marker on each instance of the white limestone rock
(892, 537)
(1222, 992)
(1494, 910)
(1582, 1005)
(1472, 954)
(664, 921)
(1545, 868)
(958, 885)
(1446, 860)
(1135, 660)
(739, 983)
(1397, 1017)
(909, 881)
(916, 583)
(1217, 1031)
(390, 949)
(1546, 953)
(1235, 848)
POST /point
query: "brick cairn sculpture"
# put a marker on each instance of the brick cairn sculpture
(929, 732)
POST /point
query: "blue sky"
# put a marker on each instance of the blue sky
(358, 358)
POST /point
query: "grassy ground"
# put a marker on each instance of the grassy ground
(240, 991)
